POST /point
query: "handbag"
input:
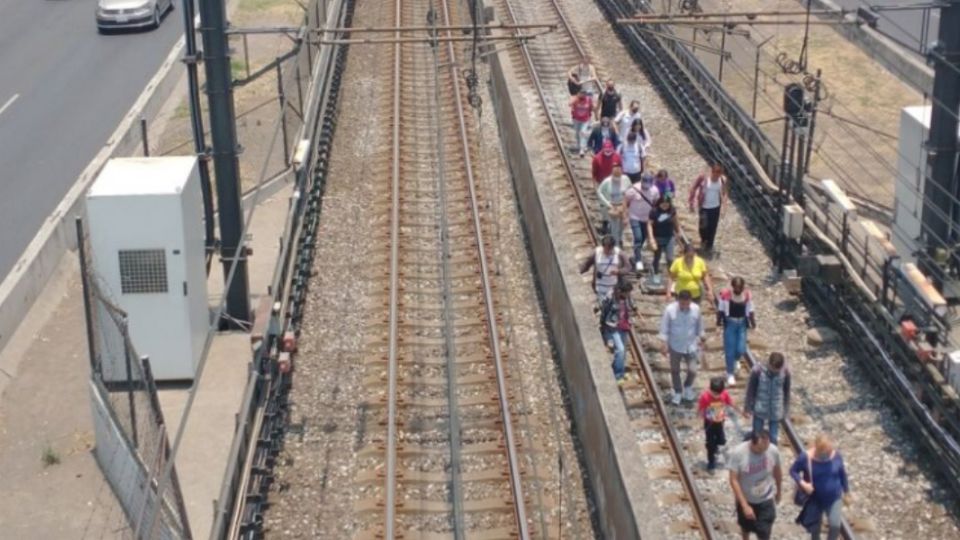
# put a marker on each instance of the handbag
(800, 497)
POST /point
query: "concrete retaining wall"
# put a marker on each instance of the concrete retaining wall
(23, 285)
(626, 507)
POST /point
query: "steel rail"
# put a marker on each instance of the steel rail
(494, 334)
(391, 473)
(675, 447)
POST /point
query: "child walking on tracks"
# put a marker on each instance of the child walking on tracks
(713, 406)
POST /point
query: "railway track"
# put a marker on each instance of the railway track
(671, 438)
(546, 60)
(445, 463)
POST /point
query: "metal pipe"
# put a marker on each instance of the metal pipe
(724, 14)
(741, 23)
(756, 83)
(85, 289)
(191, 58)
(377, 41)
(813, 122)
(143, 137)
(246, 55)
(723, 50)
(466, 27)
(693, 44)
(282, 98)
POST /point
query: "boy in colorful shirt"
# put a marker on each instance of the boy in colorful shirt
(712, 406)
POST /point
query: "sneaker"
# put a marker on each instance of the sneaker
(675, 399)
(688, 394)
(639, 266)
(581, 153)
(731, 380)
(657, 280)
(621, 381)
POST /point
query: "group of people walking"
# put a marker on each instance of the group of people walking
(630, 195)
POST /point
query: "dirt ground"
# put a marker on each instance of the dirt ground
(855, 140)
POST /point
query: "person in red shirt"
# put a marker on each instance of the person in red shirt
(603, 162)
(581, 111)
(713, 405)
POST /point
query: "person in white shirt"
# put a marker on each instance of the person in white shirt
(626, 117)
(612, 194)
(707, 198)
(609, 264)
(632, 153)
(641, 198)
(682, 334)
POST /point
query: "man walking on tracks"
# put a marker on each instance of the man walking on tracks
(609, 264)
(768, 395)
(756, 476)
(615, 314)
(681, 330)
(613, 204)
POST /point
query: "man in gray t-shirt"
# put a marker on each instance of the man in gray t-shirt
(756, 477)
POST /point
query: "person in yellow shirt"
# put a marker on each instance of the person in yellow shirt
(689, 273)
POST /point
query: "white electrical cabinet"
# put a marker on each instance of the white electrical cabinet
(145, 225)
(909, 185)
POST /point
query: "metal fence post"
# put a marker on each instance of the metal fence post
(85, 288)
(143, 137)
(133, 407)
(283, 113)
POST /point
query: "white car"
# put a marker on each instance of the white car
(131, 13)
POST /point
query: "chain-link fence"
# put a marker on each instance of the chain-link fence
(132, 447)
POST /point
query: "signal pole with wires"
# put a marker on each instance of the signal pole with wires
(941, 216)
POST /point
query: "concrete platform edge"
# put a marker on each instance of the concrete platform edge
(626, 506)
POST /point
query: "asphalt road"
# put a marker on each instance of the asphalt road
(63, 90)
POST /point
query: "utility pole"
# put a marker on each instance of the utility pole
(940, 213)
(223, 131)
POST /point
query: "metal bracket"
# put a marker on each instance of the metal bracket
(189, 59)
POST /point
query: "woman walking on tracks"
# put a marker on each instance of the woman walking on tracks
(822, 487)
(735, 315)
(707, 197)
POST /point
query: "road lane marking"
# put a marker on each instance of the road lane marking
(9, 103)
